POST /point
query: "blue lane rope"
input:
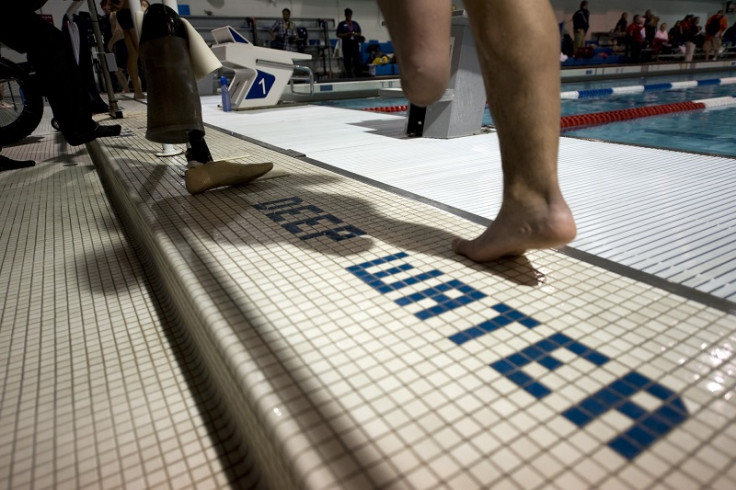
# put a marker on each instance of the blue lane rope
(632, 89)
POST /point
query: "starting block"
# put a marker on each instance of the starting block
(459, 112)
(261, 74)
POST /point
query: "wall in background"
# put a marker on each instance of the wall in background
(604, 14)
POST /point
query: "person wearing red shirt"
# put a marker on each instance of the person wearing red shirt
(714, 29)
(636, 34)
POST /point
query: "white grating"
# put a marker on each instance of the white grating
(665, 213)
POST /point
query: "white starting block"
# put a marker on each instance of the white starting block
(261, 74)
(459, 112)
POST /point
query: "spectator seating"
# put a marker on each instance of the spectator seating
(372, 48)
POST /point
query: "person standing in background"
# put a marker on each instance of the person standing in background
(123, 17)
(619, 32)
(650, 26)
(283, 32)
(688, 28)
(580, 25)
(110, 47)
(714, 29)
(350, 35)
(635, 36)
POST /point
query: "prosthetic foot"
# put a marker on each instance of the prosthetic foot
(221, 173)
(174, 109)
(204, 174)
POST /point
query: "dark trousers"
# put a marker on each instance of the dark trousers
(86, 67)
(51, 55)
(351, 60)
(636, 48)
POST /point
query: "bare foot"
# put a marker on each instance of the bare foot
(519, 228)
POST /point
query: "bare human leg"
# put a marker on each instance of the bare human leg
(131, 42)
(519, 55)
(122, 81)
(420, 30)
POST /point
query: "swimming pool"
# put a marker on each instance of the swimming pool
(706, 131)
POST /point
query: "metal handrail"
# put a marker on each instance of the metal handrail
(309, 78)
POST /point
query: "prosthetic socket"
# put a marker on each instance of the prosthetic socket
(174, 108)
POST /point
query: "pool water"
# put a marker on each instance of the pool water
(711, 131)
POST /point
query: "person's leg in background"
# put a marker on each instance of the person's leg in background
(131, 43)
(61, 81)
(86, 65)
(121, 60)
(636, 48)
(689, 50)
(579, 41)
(346, 64)
(357, 67)
(350, 61)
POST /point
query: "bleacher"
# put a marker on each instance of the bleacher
(378, 58)
(614, 55)
(321, 44)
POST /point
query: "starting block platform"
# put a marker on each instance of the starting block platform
(261, 74)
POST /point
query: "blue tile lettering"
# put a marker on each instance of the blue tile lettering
(278, 204)
(508, 315)
(540, 353)
(309, 217)
(443, 301)
(375, 280)
(335, 234)
(648, 426)
(278, 216)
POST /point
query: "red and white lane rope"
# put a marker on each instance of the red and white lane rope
(597, 118)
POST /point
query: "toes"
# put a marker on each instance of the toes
(457, 245)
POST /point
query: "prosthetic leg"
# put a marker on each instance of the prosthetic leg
(174, 109)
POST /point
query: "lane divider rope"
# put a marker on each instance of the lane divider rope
(605, 117)
(597, 118)
(636, 89)
(391, 108)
